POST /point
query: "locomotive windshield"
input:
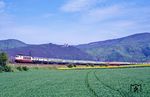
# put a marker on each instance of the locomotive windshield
(26, 57)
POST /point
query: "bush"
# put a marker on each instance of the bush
(70, 66)
(3, 62)
(1, 69)
(25, 68)
(19, 68)
(92, 65)
(74, 65)
(3, 59)
(8, 69)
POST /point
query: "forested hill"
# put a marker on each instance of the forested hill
(11, 43)
(135, 48)
(131, 48)
(50, 51)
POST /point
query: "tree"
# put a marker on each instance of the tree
(3, 59)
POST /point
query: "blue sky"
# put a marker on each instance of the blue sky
(72, 21)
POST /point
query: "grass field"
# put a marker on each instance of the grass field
(76, 83)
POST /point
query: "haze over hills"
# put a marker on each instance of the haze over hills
(131, 48)
(50, 51)
(11, 43)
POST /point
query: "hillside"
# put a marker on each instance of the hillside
(131, 48)
(50, 51)
(11, 43)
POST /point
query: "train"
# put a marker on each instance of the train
(41, 60)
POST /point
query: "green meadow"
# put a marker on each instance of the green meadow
(121, 82)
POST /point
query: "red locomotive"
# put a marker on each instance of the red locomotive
(23, 59)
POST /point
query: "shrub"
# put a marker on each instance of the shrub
(25, 68)
(1, 69)
(70, 66)
(74, 65)
(3, 62)
(7, 69)
(92, 65)
(3, 59)
(19, 68)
